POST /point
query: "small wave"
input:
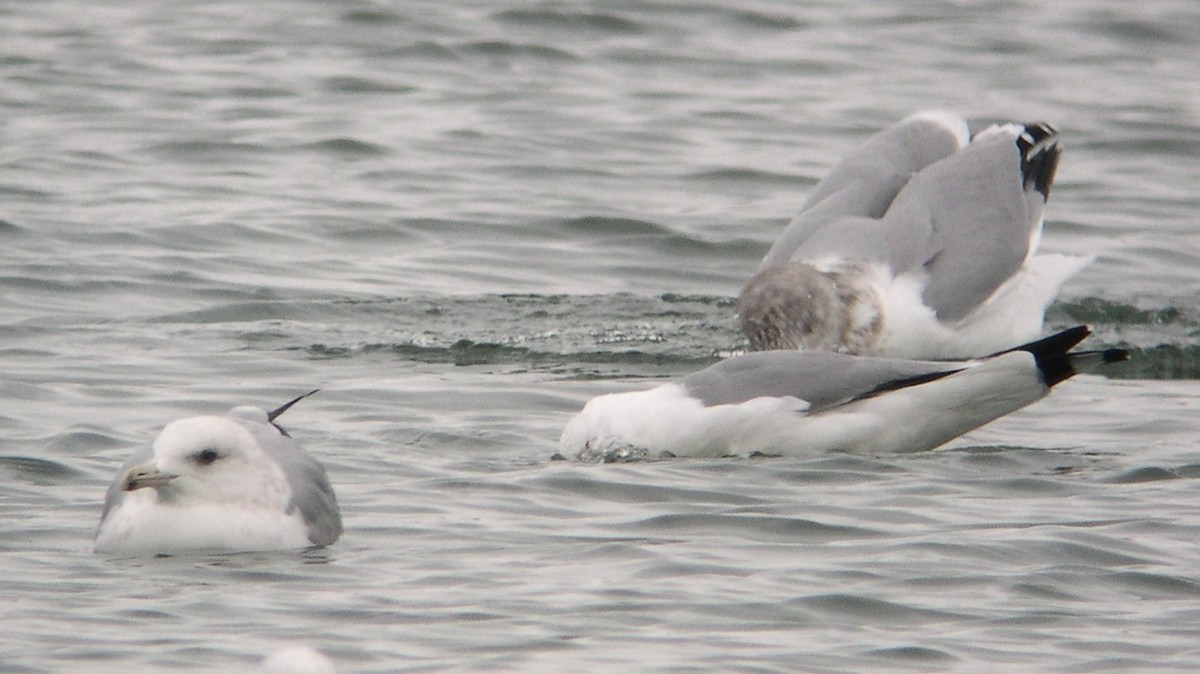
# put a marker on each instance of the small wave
(1165, 361)
(748, 175)
(37, 471)
(207, 151)
(752, 527)
(610, 226)
(857, 608)
(466, 353)
(911, 654)
(1095, 310)
(347, 148)
(373, 16)
(548, 19)
(506, 49)
(362, 85)
(1156, 584)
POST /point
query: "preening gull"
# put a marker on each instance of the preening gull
(227, 483)
(919, 244)
(801, 403)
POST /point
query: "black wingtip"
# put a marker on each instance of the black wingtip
(1040, 151)
(1057, 344)
(1058, 363)
(1050, 353)
(1114, 355)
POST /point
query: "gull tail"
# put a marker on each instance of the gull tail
(1058, 363)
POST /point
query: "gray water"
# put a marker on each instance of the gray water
(461, 220)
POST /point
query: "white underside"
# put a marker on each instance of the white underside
(142, 525)
(916, 418)
(1013, 315)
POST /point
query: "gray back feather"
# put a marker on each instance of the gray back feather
(823, 379)
(312, 494)
(979, 220)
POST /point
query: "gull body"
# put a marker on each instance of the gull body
(236, 482)
(804, 403)
(922, 243)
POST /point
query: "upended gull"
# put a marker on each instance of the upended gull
(233, 483)
(919, 244)
(803, 403)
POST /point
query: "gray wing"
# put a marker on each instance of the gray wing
(868, 179)
(312, 494)
(982, 218)
(968, 220)
(823, 379)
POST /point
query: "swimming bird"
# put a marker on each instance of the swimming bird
(921, 243)
(803, 403)
(236, 482)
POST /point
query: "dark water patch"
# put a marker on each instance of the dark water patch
(863, 464)
(84, 440)
(1026, 485)
(259, 93)
(38, 471)
(1166, 361)
(705, 300)
(747, 175)
(1090, 555)
(569, 21)
(347, 148)
(675, 569)
(425, 51)
(363, 85)
(373, 16)
(1155, 584)
(1191, 470)
(996, 460)
(1100, 311)
(23, 192)
(611, 226)
(236, 312)
(469, 353)
(1146, 474)
(753, 527)
(537, 172)
(763, 20)
(500, 49)
(899, 655)
(208, 151)
(262, 336)
(544, 331)
(11, 229)
(579, 484)
(859, 609)
(141, 614)
(827, 477)
(1142, 32)
(1045, 591)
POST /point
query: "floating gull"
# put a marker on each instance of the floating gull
(799, 403)
(232, 483)
(919, 244)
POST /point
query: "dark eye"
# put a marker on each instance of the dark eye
(206, 456)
